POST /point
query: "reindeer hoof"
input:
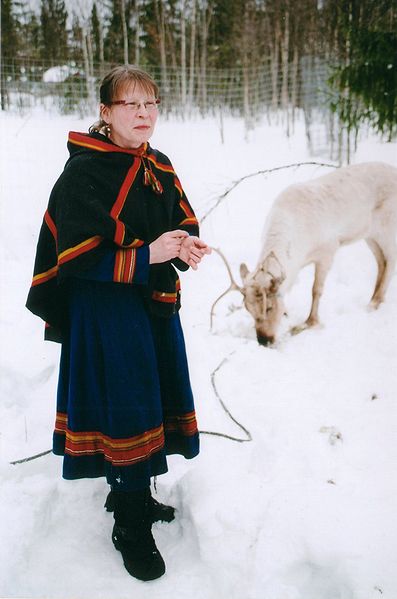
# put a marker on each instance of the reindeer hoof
(374, 305)
(298, 329)
(309, 324)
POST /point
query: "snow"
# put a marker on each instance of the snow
(306, 510)
(58, 74)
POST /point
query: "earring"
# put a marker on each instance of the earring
(108, 129)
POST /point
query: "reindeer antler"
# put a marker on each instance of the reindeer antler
(232, 287)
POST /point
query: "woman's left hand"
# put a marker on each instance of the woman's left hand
(193, 249)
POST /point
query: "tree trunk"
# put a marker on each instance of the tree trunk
(294, 83)
(91, 100)
(274, 64)
(246, 64)
(101, 50)
(125, 31)
(192, 53)
(137, 34)
(183, 54)
(159, 12)
(285, 70)
(206, 15)
(284, 62)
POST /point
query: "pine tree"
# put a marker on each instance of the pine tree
(114, 48)
(96, 33)
(9, 37)
(53, 18)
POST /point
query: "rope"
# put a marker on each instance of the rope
(225, 409)
(32, 457)
(262, 172)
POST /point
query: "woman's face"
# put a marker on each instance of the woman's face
(131, 125)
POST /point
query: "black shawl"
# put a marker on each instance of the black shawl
(107, 197)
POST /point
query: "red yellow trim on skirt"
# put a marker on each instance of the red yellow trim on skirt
(123, 452)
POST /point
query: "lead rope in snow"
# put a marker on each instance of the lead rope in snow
(32, 457)
(213, 433)
(225, 409)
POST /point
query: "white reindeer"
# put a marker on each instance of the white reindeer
(307, 224)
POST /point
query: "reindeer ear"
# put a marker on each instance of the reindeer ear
(243, 271)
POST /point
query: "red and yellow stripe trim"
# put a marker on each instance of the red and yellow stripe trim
(86, 141)
(192, 220)
(178, 185)
(190, 217)
(185, 424)
(119, 235)
(43, 277)
(66, 256)
(126, 451)
(80, 248)
(120, 452)
(166, 168)
(167, 297)
(124, 266)
(51, 225)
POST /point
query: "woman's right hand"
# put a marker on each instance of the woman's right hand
(167, 246)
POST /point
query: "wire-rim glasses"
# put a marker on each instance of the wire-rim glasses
(150, 105)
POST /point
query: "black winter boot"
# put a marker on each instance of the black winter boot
(132, 535)
(159, 512)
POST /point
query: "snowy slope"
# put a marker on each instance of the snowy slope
(304, 511)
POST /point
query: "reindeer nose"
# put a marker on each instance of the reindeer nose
(262, 340)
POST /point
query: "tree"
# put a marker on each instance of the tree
(113, 44)
(53, 17)
(9, 44)
(365, 80)
(9, 36)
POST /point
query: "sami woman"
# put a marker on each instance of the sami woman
(117, 229)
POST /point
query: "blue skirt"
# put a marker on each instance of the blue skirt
(124, 397)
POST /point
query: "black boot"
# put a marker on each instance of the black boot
(158, 511)
(132, 535)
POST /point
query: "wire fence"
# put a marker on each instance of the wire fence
(252, 94)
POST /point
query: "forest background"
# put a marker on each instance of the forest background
(335, 60)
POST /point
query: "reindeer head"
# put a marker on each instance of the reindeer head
(261, 297)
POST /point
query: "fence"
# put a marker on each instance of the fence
(253, 93)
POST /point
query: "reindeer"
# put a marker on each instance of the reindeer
(307, 223)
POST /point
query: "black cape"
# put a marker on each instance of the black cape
(107, 198)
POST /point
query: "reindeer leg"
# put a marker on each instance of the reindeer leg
(321, 270)
(385, 255)
(381, 263)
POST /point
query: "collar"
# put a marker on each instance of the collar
(87, 140)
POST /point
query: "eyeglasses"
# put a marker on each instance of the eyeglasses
(150, 105)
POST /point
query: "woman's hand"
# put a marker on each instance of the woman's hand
(192, 251)
(167, 246)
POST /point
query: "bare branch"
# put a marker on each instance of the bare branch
(232, 287)
(220, 199)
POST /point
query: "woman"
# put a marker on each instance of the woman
(117, 225)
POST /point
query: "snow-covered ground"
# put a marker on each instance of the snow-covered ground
(307, 510)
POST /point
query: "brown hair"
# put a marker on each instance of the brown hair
(116, 79)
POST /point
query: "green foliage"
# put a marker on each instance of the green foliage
(53, 18)
(95, 25)
(114, 39)
(9, 36)
(367, 86)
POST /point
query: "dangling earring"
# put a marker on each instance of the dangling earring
(108, 129)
